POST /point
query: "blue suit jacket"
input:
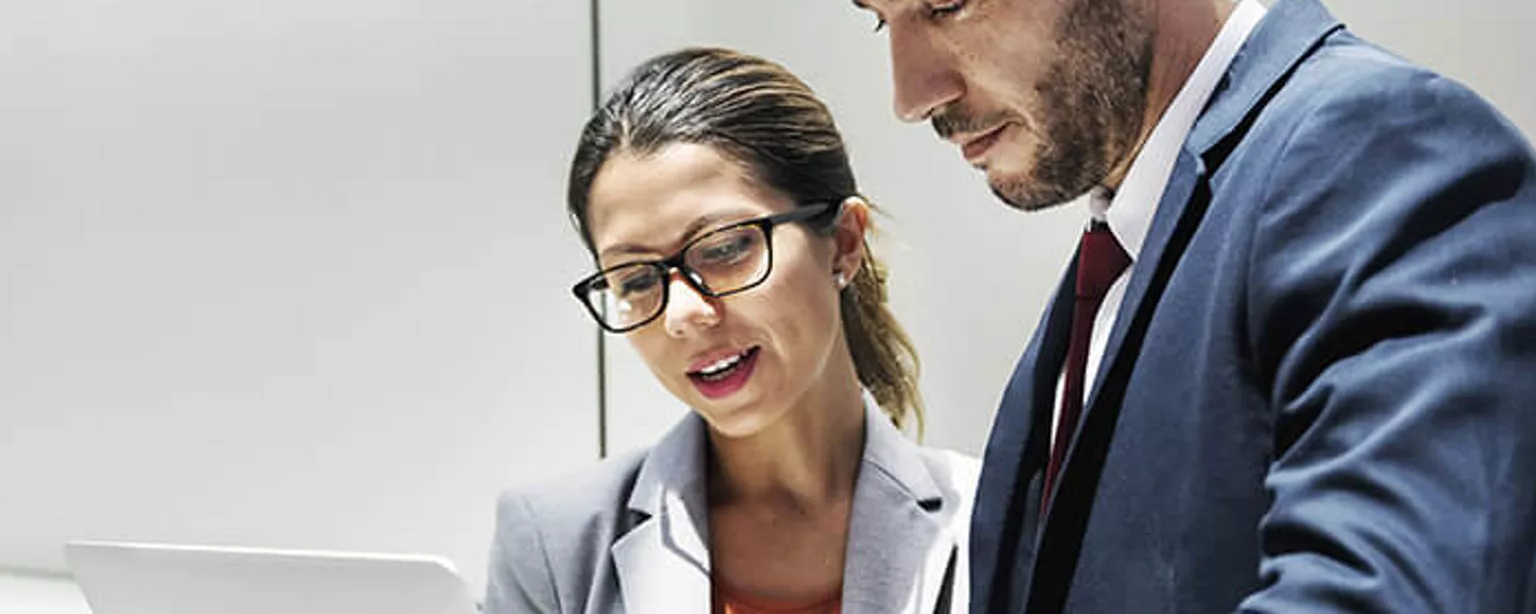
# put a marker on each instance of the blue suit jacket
(1320, 394)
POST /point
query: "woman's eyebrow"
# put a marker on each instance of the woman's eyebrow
(698, 226)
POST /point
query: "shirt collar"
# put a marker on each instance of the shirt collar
(1129, 211)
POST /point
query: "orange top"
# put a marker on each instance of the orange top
(730, 601)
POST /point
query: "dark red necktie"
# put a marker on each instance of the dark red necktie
(1100, 260)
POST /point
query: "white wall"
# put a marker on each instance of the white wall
(294, 274)
(39, 594)
(289, 273)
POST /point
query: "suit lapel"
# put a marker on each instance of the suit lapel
(663, 563)
(662, 567)
(1286, 36)
(1178, 215)
(1289, 33)
(898, 509)
(1003, 527)
(1188, 172)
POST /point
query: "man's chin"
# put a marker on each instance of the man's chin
(1025, 195)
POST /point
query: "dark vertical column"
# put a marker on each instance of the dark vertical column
(602, 340)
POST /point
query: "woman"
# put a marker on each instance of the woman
(714, 192)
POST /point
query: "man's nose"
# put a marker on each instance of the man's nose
(922, 74)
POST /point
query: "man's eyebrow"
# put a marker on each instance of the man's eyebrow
(859, 4)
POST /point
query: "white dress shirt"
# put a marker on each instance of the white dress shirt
(1129, 212)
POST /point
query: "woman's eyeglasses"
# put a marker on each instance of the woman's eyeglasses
(722, 262)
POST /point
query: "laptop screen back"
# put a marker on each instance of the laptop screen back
(120, 578)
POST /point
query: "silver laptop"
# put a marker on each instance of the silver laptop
(126, 578)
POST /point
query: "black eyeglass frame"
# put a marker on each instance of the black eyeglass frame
(805, 213)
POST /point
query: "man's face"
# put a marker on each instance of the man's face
(1046, 96)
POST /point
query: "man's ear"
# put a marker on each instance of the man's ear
(848, 237)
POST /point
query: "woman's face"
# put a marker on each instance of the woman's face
(742, 361)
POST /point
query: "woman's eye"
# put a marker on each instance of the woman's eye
(638, 284)
(727, 251)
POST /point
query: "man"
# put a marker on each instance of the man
(1294, 366)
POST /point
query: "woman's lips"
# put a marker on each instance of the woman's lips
(726, 382)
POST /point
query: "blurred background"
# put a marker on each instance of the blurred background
(295, 273)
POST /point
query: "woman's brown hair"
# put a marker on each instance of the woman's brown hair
(760, 115)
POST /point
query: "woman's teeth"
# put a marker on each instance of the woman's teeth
(720, 366)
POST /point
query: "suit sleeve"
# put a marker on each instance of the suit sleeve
(1392, 309)
(520, 580)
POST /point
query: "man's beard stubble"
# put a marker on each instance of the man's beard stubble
(1091, 105)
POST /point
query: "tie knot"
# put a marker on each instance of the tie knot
(1100, 260)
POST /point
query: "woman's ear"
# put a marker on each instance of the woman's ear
(848, 237)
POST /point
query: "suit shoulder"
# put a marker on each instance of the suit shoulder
(563, 504)
(572, 519)
(1349, 80)
(552, 537)
(1350, 115)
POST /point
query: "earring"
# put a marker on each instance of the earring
(842, 281)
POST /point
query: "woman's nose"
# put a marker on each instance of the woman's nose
(688, 309)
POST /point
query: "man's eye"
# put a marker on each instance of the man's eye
(879, 24)
(942, 9)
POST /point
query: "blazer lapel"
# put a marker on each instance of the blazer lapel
(663, 563)
(1282, 40)
(1288, 34)
(1072, 500)
(1003, 527)
(899, 536)
(902, 537)
(1188, 172)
